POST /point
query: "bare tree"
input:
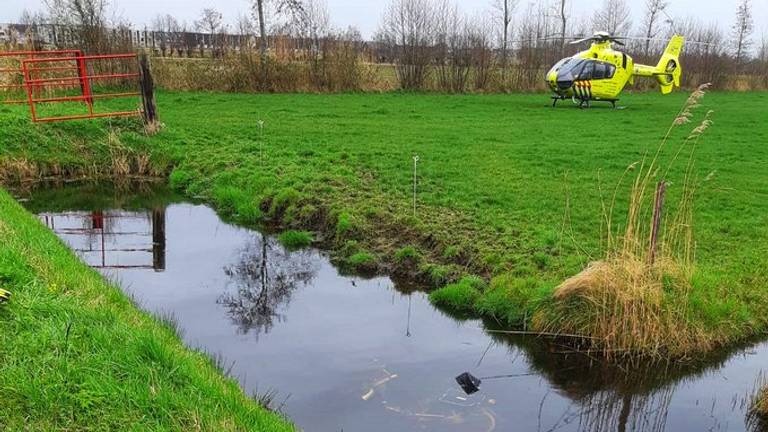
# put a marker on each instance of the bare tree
(315, 23)
(452, 54)
(32, 21)
(742, 31)
(167, 28)
(211, 22)
(653, 11)
(480, 34)
(260, 10)
(245, 31)
(613, 17)
(563, 24)
(535, 51)
(707, 61)
(187, 40)
(262, 283)
(86, 19)
(505, 11)
(407, 29)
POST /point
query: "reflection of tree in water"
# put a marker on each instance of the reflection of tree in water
(622, 412)
(626, 397)
(264, 278)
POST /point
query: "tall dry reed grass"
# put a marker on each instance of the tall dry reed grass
(757, 416)
(635, 300)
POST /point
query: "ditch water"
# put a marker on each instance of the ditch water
(355, 354)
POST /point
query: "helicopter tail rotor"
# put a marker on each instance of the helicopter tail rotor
(669, 71)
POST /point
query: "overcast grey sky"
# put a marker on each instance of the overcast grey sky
(365, 14)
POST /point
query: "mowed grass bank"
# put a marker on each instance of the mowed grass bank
(508, 188)
(76, 354)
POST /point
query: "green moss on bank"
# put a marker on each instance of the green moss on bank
(76, 354)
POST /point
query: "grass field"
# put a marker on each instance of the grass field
(78, 355)
(508, 188)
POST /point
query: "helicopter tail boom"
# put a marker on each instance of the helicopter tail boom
(668, 71)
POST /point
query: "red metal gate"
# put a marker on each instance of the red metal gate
(12, 85)
(117, 74)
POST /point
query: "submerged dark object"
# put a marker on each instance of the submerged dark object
(469, 383)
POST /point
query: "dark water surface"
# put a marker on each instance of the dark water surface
(354, 354)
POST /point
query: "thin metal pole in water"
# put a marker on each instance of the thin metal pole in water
(415, 164)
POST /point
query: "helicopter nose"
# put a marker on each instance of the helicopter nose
(564, 84)
(564, 81)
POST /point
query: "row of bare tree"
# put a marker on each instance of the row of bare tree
(430, 44)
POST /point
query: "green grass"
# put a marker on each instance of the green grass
(361, 261)
(460, 296)
(508, 188)
(78, 355)
(295, 239)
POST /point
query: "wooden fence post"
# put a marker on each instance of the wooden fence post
(147, 90)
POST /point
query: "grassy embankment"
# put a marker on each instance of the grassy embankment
(78, 355)
(509, 190)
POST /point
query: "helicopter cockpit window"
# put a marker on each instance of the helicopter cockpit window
(587, 72)
(601, 71)
(573, 67)
(561, 63)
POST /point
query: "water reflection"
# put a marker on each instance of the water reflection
(113, 239)
(363, 354)
(262, 282)
(626, 397)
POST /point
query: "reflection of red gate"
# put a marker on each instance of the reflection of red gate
(80, 79)
(12, 84)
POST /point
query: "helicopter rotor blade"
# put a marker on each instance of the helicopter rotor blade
(618, 42)
(687, 42)
(578, 41)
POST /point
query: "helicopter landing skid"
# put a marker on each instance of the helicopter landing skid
(583, 103)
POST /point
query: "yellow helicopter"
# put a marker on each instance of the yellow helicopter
(601, 73)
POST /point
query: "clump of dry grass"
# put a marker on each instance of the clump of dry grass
(634, 301)
(757, 417)
(761, 405)
(152, 128)
(18, 169)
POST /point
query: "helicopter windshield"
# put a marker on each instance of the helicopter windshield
(573, 68)
(559, 65)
